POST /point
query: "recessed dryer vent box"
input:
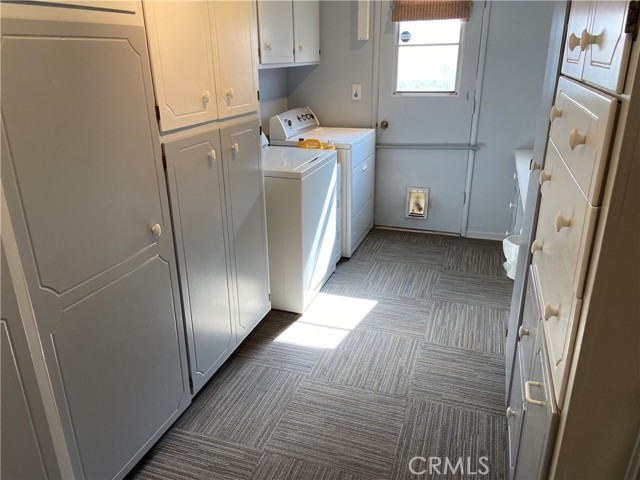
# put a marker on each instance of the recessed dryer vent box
(417, 202)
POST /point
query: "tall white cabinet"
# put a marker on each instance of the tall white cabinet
(85, 191)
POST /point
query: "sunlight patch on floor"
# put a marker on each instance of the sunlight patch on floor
(327, 321)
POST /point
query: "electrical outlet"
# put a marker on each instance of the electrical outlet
(356, 92)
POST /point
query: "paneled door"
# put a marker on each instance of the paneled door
(426, 100)
(85, 189)
(235, 39)
(275, 24)
(196, 186)
(244, 178)
(180, 46)
(306, 30)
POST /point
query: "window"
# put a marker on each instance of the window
(428, 56)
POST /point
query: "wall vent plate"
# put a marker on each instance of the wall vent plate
(417, 202)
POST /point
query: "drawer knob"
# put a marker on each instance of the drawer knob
(562, 222)
(522, 332)
(511, 412)
(587, 39)
(573, 41)
(575, 139)
(544, 177)
(206, 96)
(156, 230)
(550, 311)
(533, 165)
(527, 393)
(536, 246)
(555, 113)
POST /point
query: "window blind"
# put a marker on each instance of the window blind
(409, 10)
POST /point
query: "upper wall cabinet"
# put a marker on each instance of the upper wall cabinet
(202, 59)
(289, 32)
(597, 46)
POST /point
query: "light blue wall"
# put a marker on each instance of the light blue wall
(273, 94)
(515, 62)
(514, 69)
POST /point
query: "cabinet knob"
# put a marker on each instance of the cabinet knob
(527, 393)
(544, 177)
(206, 96)
(212, 155)
(235, 148)
(555, 113)
(267, 46)
(522, 332)
(511, 205)
(511, 413)
(575, 139)
(573, 41)
(536, 246)
(230, 92)
(562, 221)
(300, 47)
(550, 311)
(533, 165)
(156, 230)
(587, 39)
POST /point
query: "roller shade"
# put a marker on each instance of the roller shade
(409, 10)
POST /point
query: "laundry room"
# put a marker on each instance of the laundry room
(318, 239)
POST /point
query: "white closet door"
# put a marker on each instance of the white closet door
(573, 59)
(306, 32)
(235, 44)
(179, 35)
(606, 59)
(275, 21)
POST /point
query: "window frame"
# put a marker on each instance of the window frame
(396, 48)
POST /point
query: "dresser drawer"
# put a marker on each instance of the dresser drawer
(559, 309)
(581, 125)
(566, 221)
(362, 184)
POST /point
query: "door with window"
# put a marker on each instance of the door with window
(427, 84)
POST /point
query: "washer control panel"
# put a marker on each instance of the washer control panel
(292, 123)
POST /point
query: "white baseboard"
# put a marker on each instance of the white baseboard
(485, 235)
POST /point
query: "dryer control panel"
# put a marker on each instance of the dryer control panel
(292, 124)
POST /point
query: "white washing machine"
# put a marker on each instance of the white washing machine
(300, 191)
(356, 160)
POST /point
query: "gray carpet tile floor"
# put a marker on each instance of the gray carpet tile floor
(401, 355)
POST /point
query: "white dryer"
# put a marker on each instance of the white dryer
(300, 192)
(356, 160)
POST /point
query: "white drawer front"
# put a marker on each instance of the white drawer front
(360, 225)
(363, 151)
(566, 221)
(362, 184)
(560, 310)
(582, 122)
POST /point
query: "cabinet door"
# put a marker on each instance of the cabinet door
(88, 202)
(573, 59)
(234, 29)
(607, 54)
(275, 23)
(194, 174)
(306, 30)
(243, 172)
(515, 411)
(179, 35)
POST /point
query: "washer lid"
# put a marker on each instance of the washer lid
(296, 163)
(341, 137)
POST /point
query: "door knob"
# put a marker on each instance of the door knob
(550, 311)
(555, 113)
(587, 39)
(384, 124)
(156, 230)
(575, 139)
(536, 246)
(573, 42)
(562, 222)
(522, 332)
(544, 177)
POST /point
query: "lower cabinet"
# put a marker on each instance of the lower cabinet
(217, 203)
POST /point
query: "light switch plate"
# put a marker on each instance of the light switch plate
(356, 92)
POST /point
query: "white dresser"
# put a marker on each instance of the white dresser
(582, 128)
